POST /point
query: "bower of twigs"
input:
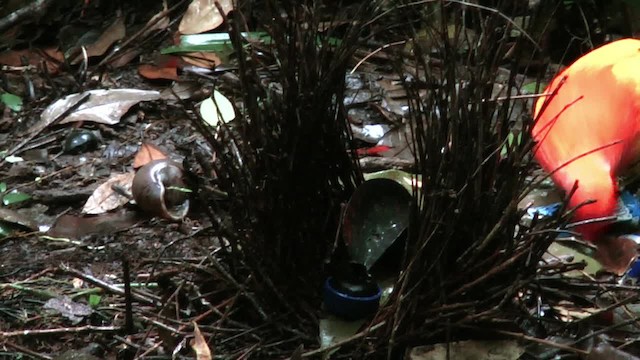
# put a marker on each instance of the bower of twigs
(466, 259)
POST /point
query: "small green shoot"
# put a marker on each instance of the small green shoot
(14, 197)
(94, 300)
(13, 102)
(510, 138)
(180, 189)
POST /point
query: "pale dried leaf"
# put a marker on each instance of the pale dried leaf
(217, 109)
(68, 308)
(203, 15)
(199, 345)
(105, 199)
(102, 106)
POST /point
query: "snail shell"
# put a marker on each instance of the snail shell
(156, 189)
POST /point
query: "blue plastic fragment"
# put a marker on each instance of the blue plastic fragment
(634, 269)
(632, 204)
(544, 211)
(628, 209)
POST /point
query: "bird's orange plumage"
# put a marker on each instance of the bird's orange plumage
(597, 105)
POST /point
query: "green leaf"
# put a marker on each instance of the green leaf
(5, 229)
(3, 187)
(218, 43)
(531, 87)
(216, 48)
(14, 198)
(94, 300)
(13, 102)
(505, 148)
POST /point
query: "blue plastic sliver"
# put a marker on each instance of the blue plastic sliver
(544, 211)
(632, 204)
(628, 209)
(634, 269)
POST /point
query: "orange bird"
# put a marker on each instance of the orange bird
(589, 132)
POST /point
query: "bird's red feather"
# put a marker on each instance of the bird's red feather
(589, 131)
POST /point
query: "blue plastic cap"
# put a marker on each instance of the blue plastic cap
(347, 306)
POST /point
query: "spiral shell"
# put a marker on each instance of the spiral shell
(157, 188)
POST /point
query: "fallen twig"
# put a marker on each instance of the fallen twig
(147, 298)
(64, 330)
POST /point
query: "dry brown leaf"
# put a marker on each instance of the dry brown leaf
(203, 15)
(158, 72)
(113, 33)
(615, 253)
(127, 55)
(52, 58)
(105, 199)
(199, 344)
(147, 153)
(15, 217)
(206, 60)
(77, 227)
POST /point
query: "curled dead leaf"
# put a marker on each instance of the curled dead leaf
(104, 198)
(203, 15)
(199, 344)
(102, 106)
(147, 153)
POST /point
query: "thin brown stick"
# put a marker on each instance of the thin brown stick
(26, 351)
(146, 298)
(64, 330)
